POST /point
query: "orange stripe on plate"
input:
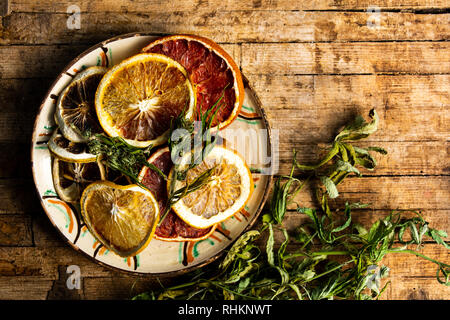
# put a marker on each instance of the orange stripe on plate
(247, 114)
(69, 211)
(245, 213)
(102, 250)
(215, 238)
(190, 249)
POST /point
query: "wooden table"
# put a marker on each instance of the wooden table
(314, 64)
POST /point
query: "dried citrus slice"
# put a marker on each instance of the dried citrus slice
(75, 110)
(122, 218)
(138, 98)
(70, 178)
(69, 151)
(172, 228)
(226, 193)
(212, 71)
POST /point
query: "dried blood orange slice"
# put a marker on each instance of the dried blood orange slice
(172, 228)
(212, 72)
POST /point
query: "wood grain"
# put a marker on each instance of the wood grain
(314, 65)
(376, 90)
(390, 192)
(41, 61)
(345, 58)
(227, 26)
(185, 5)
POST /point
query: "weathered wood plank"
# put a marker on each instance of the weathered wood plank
(377, 91)
(389, 193)
(345, 58)
(29, 62)
(24, 95)
(16, 230)
(219, 5)
(36, 61)
(24, 289)
(227, 26)
(18, 196)
(43, 263)
(297, 58)
(403, 158)
(15, 163)
(321, 125)
(44, 233)
(120, 287)
(411, 288)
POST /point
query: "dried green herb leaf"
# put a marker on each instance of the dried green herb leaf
(346, 167)
(378, 149)
(347, 222)
(437, 236)
(330, 187)
(359, 129)
(240, 243)
(269, 247)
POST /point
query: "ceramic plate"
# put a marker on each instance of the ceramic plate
(250, 130)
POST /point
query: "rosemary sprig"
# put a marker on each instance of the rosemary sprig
(121, 156)
(194, 132)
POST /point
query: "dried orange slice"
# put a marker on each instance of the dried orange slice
(75, 110)
(122, 218)
(138, 98)
(212, 71)
(226, 193)
(172, 228)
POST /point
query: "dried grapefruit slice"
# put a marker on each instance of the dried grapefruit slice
(138, 98)
(172, 228)
(226, 193)
(75, 110)
(212, 71)
(122, 218)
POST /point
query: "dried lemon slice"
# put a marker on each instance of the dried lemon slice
(226, 193)
(122, 218)
(67, 150)
(138, 98)
(70, 178)
(75, 110)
